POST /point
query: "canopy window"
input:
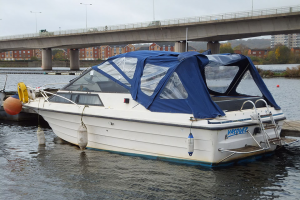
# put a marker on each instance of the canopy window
(247, 86)
(152, 74)
(127, 65)
(219, 77)
(109, 69)
(174, 89)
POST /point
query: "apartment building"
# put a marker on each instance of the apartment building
(288, 40)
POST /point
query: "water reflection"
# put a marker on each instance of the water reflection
(61, 171)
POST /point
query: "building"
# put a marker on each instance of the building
(289, 40)
(37, 53)
(105, 52)
(296, 50)
(237, 51)
(257, 52)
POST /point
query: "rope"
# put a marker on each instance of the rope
(82, 115)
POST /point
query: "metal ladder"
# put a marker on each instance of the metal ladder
(267, 140)
(277, 140)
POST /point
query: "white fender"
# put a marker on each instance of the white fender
(82, 136)
(31, 93)
(40, 136)
(190, 144)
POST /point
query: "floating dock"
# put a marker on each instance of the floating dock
(290, 128)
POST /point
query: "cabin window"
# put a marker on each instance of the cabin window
(89, 99)
(218, 78)
(152, 74)
(174, 89)
(127, 65)
(247, 86)
(83, 99)
(94, 81)
(58, 99)
(109, 69)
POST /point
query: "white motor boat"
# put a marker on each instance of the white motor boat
(209, 110)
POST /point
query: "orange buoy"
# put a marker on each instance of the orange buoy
(12, 106)
(277, 85)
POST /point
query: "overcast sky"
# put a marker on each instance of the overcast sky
(69, 14)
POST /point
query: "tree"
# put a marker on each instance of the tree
(34, 58)
(226, 48)
(282, 54)
(60, 55)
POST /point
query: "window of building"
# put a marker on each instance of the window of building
(19, 52)
(23, 51)
(169, 48)
(254, 52)
(164, 47)
(259, 52)
(28, 51)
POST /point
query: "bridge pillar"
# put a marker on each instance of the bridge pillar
(74, 59)
(47, 59)
(180, 46)
(214, 47)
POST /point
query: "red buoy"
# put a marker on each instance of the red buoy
(277, 85)
(12, 106)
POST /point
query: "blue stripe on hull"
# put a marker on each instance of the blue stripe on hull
(193, 163)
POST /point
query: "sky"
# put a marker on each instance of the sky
(70, 14)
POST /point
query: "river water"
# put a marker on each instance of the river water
(61, 171)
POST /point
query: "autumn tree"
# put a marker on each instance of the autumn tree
(60, 55)
(226, 48)
(282, 54)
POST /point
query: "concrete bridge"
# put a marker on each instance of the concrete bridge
(228, 26)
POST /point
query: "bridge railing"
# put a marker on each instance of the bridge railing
(162, 23)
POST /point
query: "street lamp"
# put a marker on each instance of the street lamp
(59, 31)
(35, 19)
(86, 4)
(153, 12)
(252, 8)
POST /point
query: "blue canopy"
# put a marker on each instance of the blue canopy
(164, 81)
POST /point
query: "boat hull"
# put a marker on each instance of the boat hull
(167, 142)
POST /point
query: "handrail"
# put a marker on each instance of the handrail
(162, 23)
(249, 102)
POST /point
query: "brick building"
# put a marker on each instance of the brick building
(257, 52)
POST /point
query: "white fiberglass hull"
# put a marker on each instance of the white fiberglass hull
(121, 133)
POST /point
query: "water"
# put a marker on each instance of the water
(279, 67)
(61, 171)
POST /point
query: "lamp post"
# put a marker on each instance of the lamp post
(35, 19)
(59, 30)
(86, 4)
(153, 12)
(252, 8)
